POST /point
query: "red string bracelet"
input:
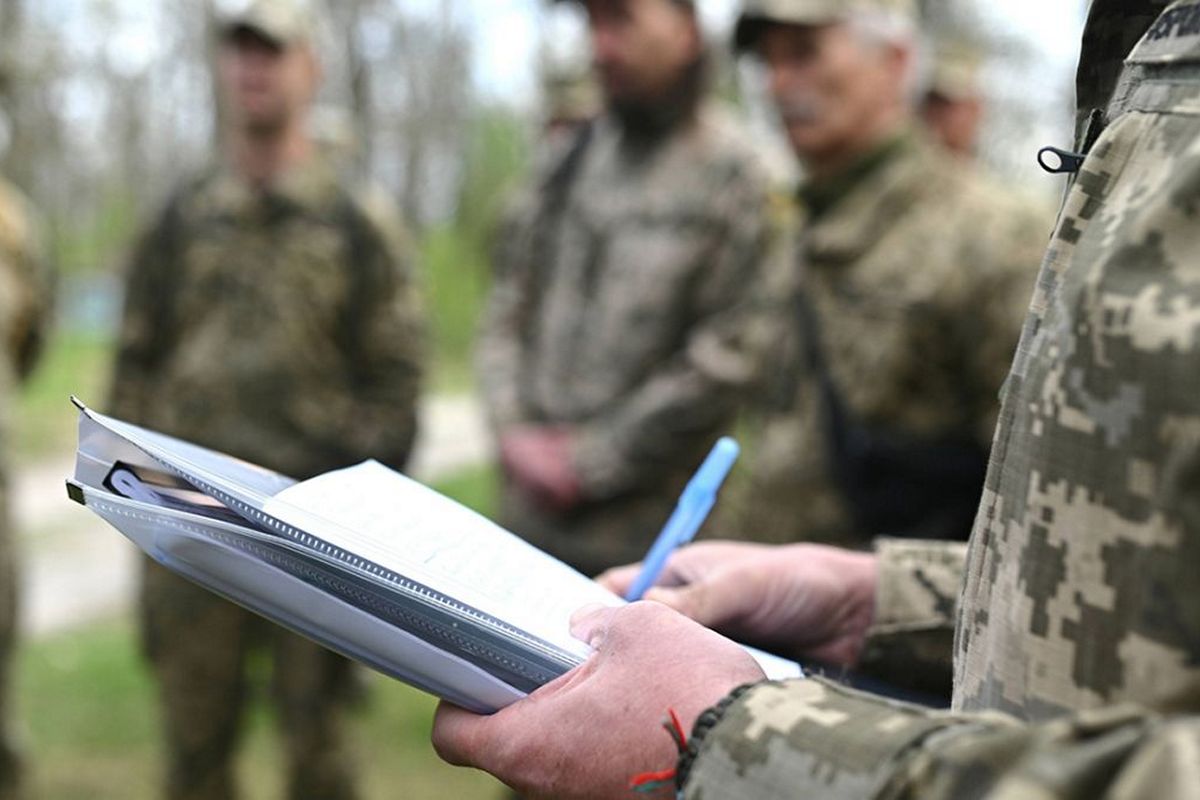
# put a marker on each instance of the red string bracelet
(651, 782)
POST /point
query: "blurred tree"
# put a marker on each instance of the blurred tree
(1025, 105)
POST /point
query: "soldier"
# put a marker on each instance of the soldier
(617, 342)
(912, 274)
(25, 300)
(270, 314)
(953, 105)
(1078, 625)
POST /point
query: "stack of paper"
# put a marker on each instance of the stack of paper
(363, 560)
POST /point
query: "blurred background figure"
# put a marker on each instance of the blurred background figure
(614, 350)
(270, 314)
(25, 301)
(910, 280)
(953, 106)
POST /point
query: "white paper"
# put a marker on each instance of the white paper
(410, 529)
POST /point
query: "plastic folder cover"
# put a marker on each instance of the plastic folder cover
(362, 560)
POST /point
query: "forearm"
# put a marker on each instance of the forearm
(814, 739)
(377, 411)
(647, 433)
(910, 642)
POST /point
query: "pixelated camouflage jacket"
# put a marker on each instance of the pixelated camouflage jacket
(280, 326)
(1078, 637)
(625, 309)
(26, 286)
(917, 274)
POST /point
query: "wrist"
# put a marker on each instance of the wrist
(863, 573)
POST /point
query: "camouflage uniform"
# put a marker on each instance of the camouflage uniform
(279, 326)
(623, 308)
(25, 299)
(1078, 628)
(916, 269)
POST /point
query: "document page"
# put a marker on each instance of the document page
(403, 526)
(410, 529)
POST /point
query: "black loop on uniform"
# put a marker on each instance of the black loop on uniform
(1057, 161)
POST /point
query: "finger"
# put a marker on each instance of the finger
(618, 579)
(458, 735)
(692, 601)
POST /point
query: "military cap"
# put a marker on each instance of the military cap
(954, 73)
(284, 22)
(757, 13)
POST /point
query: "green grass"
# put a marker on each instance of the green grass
(87, 707)
(475, 487)
(456, 284)
(74, 363)
(91, 730)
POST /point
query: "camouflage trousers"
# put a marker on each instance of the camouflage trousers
(10, 765)
(198, 646)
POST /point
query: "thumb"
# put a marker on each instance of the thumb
(457, 734)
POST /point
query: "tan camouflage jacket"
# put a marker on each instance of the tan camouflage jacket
(918, 274)
(26, 286)
(279, 326)
(1078, 637)
(624, 308)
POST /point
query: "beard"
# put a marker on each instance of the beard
(646, 117)
(263, 126)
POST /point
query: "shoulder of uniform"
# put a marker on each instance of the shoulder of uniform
(17, 221)
(732, 147)
(192, 191)
(380, 211)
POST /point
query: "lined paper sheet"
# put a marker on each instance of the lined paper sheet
(410, 529)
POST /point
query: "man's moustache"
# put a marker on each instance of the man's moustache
(799, 111)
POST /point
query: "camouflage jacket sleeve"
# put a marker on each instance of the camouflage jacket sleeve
(1005, 250)
(146, 327)
(812, 738)
(385, 353)
(498, 352)
(713, 369)
(911, 642)
(26, 283)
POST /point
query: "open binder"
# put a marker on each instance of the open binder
(363, 560)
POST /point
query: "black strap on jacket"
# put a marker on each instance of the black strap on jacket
(892, 482)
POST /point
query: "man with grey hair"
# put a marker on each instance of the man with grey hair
(909, 280)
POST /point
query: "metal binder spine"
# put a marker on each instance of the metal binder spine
(520, 673)
(508, 639)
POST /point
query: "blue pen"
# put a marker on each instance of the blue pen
(689, 514)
